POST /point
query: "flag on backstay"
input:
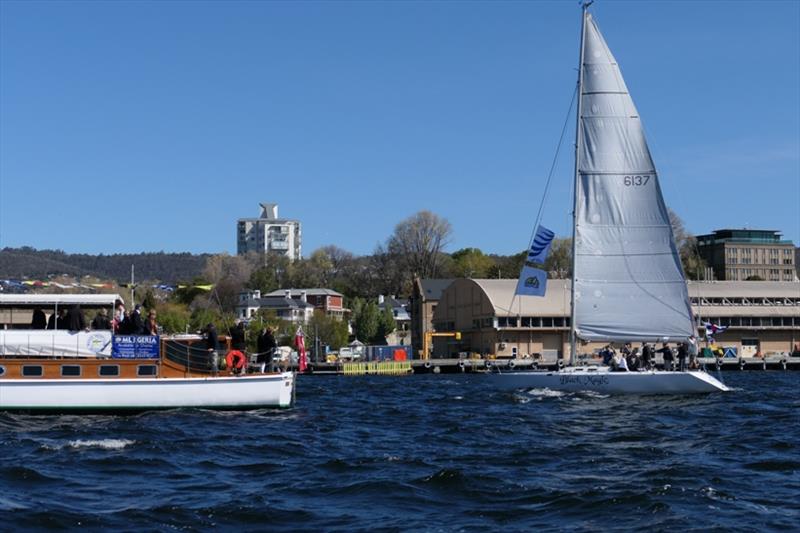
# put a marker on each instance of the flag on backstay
(532, 282)
(541, 245)
(712, 329)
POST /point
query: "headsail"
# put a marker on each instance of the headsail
(628, 280)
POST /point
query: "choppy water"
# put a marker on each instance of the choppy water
(441, 453)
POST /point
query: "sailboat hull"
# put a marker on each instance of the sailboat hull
(606, 382)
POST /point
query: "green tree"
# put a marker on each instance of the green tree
(559, 260)
(331, 331)
(366, 322)
(471, 263)
(386, 325)
(693, 265)
(149, 301)
(173, 317)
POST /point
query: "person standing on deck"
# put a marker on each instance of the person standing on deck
(150, 324)
(647, 356)
(137, 324)
(212, 346)
(666, 353)
(237, 334)
(266, 349)
(101, 321)
(683, 352)
(692, 349)
(57, 321)
(119, 316)
(39, 320)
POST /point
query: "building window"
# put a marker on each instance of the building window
(71, 370)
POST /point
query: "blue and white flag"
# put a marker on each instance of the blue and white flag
(532, 282)
(712, 329)
(541, 245)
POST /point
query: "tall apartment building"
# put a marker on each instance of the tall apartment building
(739, 254)
(268, 233)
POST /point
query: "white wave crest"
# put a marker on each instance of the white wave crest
(546, 393)
(104, 444)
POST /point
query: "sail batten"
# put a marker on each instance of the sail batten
(628, 280)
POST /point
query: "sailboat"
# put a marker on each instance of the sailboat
(627, 280)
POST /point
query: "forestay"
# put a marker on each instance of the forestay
(629, 284)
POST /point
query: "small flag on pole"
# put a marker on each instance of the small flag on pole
(541, 245)
(532, 282)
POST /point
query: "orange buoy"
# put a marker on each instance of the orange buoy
(235, 360)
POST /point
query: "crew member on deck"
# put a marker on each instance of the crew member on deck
(101, 321)
(237, 334)
(266, 349)
(57, 321)
(39, 320)
(212, 346)
(150, 324)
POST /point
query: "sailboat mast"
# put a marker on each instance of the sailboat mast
(572, 336)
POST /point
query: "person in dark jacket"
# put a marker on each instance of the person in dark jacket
(136, 326)
(212, 346)
(101, 321)
(39, 320)
(75, 319)
(266, 348)
(666, 353)
(683, 353)
(57, 321)
(647, 356)
(237, 334)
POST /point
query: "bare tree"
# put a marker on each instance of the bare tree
(228, 274)
(693, 264)
(417, 243)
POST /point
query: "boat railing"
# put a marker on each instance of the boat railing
(193, 358)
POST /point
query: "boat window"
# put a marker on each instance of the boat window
(147, 370)
(109, 370)
(30, 371)
(70, 370)
(2, 370)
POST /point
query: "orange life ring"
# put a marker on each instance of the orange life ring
(235, 360)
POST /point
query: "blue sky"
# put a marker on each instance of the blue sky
(147, 126)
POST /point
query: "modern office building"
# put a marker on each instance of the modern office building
(269, 234)
(741, 254)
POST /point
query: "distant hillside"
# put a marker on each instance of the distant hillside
(26, 262)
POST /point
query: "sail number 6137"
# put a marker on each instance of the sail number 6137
(635, 181)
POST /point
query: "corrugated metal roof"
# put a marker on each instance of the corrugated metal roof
(432, 288)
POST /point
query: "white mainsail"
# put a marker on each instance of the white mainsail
(628, 281)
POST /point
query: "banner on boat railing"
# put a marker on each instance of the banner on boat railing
(135, 347)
